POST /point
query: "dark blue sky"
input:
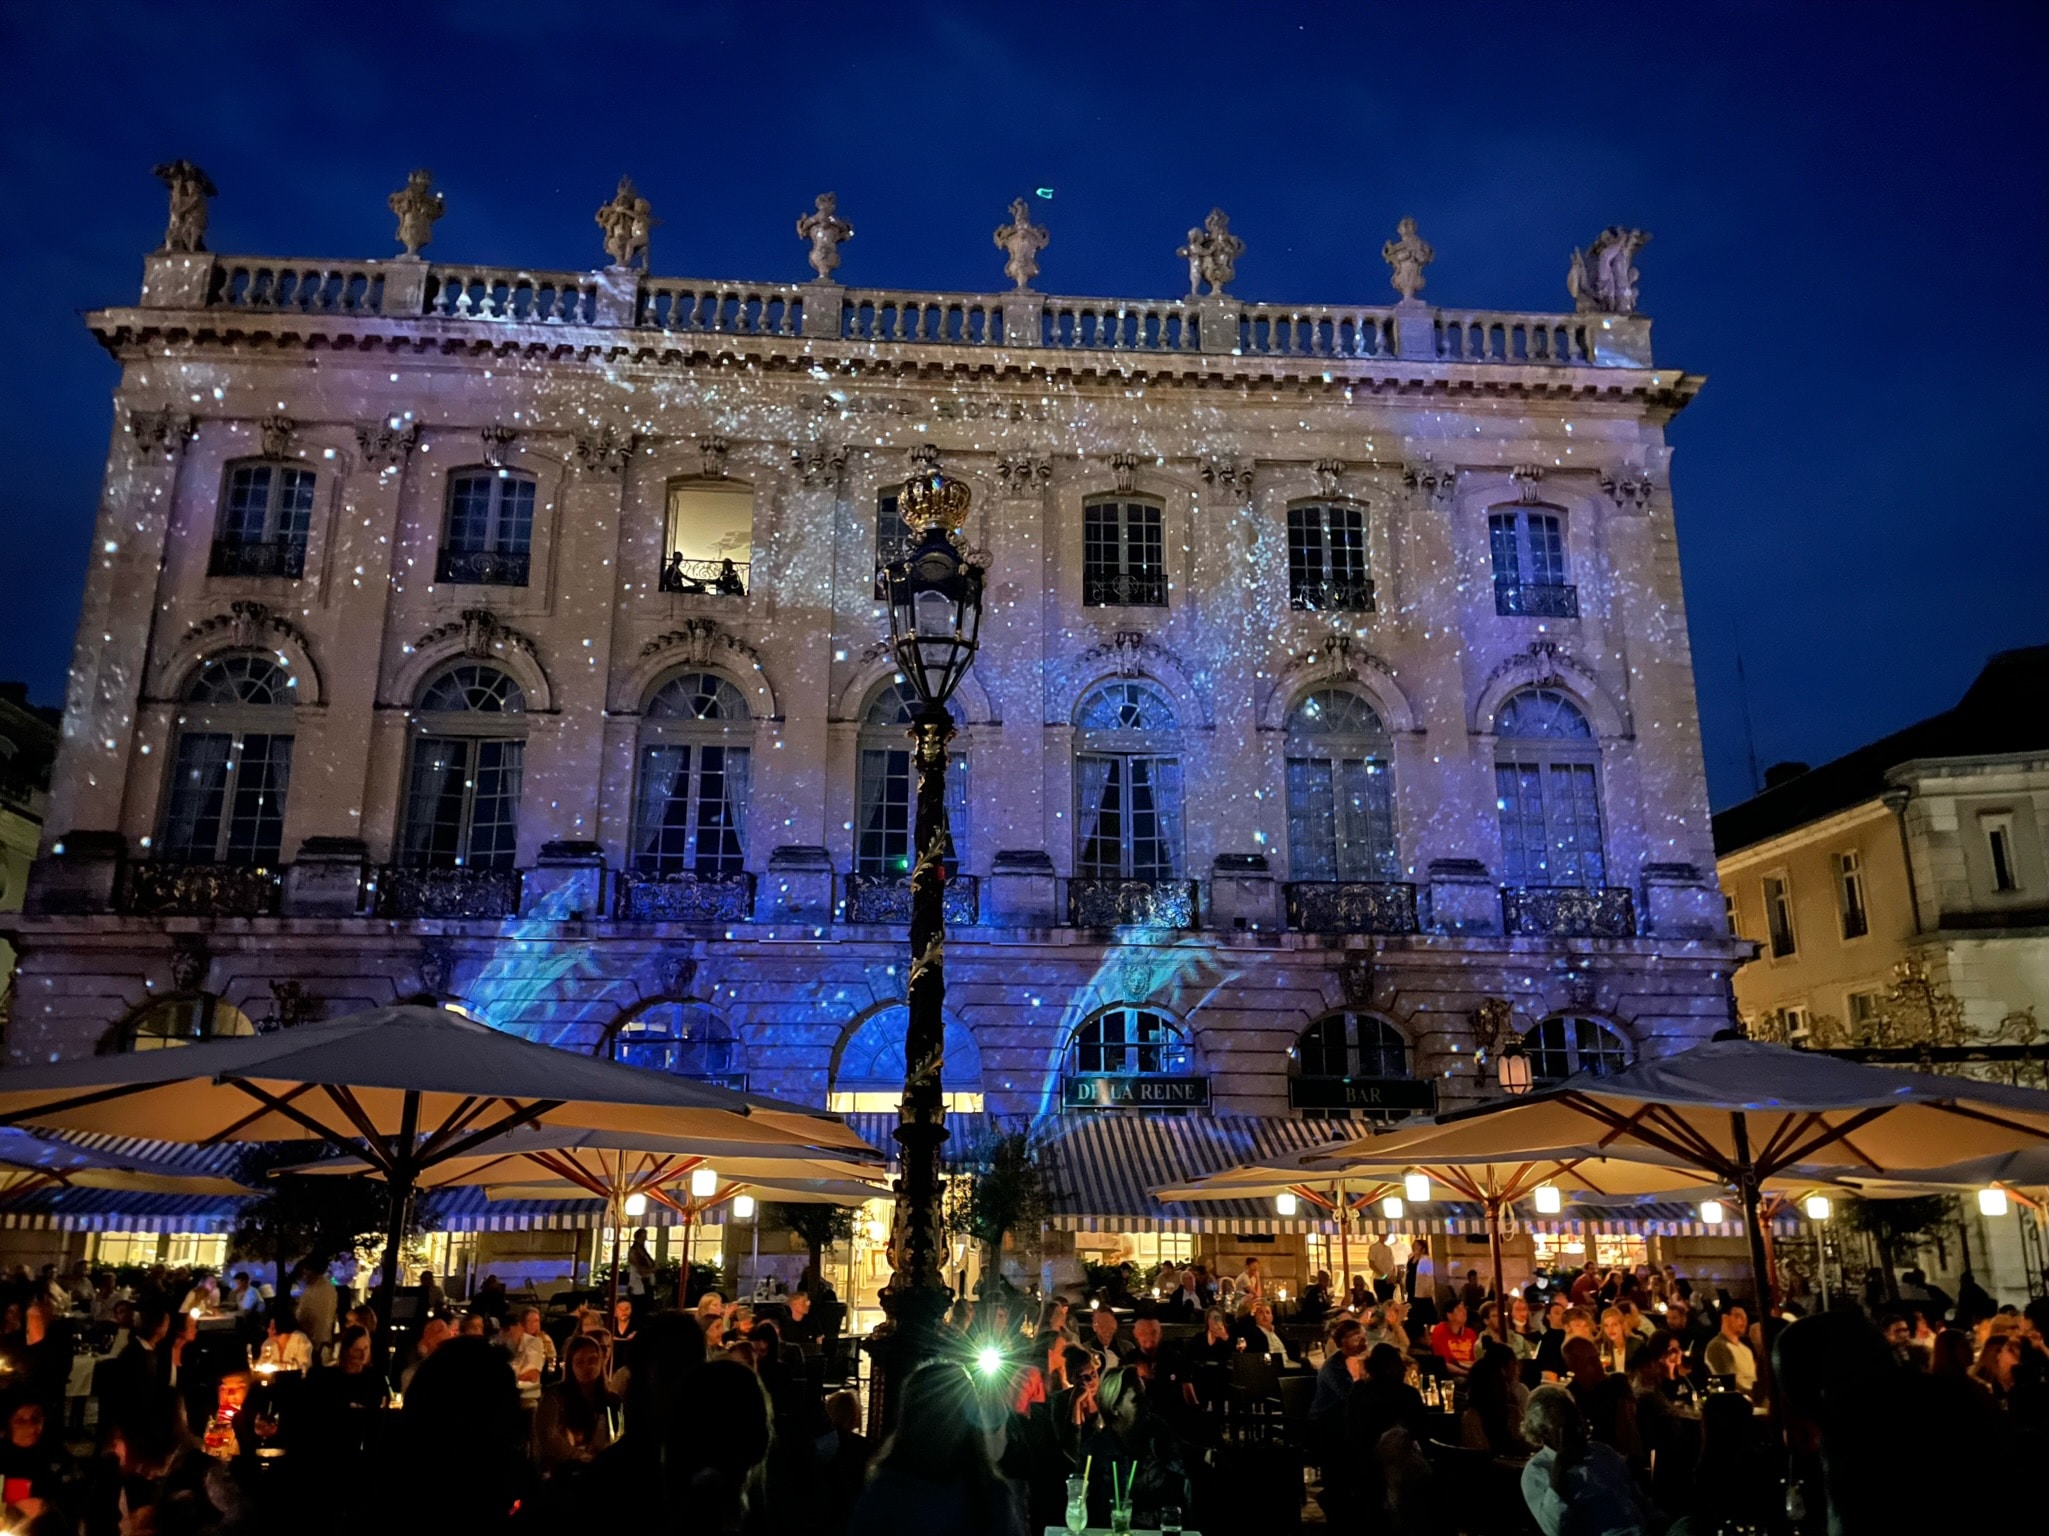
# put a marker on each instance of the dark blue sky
(1848, 204)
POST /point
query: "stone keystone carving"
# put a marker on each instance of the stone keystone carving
(483, 634)
(1023, 473)
(276, 432)
(190, 189)
(1527, 477)
(417, 205)
(1408, 253)
(497, 438)
(698, 641)
(820, 462)
(711, 452)
(1127, 652)
(1602, 278)
(246, 622)
(1355, 977)
(1435, 483)
(189, 960)
(1021, 240)
(1212, 254)
(1124, 469)
(162, 431)
(436, 965)
(605, 451)
(826, 231)
(1328, 473)
(627, 221)
(1227, 476)
(1630, 489)
(387, 444)
(924, 460)
(678, 974)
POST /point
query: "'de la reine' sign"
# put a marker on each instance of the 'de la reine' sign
(1134, 1093)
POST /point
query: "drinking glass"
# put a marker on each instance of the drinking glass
(1120, 1520)
(1077, 1505)
(1170, 1520)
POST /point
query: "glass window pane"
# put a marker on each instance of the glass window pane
(494, 815)
(1501, 546)
(1547, 550)
(199, 787)
(1312, 821)
(436, 793)
(884, 845)
(661, 823)
(256, 829)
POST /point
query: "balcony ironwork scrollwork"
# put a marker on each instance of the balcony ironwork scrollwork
(1124, 589)
(1568, 912)
(705, 578)
(1525, 600)
(233, 557)
(685, 898)
(887, 899)
(202, 890)
(1351, 906)
(481, 568)
(1332, 596)
(452, 893)
(1131, 903)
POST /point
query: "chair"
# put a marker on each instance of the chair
(1255, 1391)
(1297, 1394)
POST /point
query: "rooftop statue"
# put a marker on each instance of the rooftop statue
(190, 189)
(1408, 253)
(417, 205)
(825, 229)
(1022, 240)
(627, 221)
(1603, 277)
(1212, 254)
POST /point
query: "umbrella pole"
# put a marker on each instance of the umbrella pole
(400, 1195)
(1494, 1248)
(1344, 1245)
(1746, 1191)
(613, 1210)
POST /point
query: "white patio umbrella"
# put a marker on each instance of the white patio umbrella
(29, 1164)
(1742, 1113)
(404, 1088)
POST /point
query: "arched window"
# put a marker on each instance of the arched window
(1327, 558)
(1565, 1046)
(695, 747)
(887, 790)
(686, 1039)
(231, 766)
(181, 1020)
(1354, 1063)
(710, 538)
(869, 1075)
(462, 795)
(266, 511)
(490, 534)
(1127, 784)
(1340, 791)
(1547, 790)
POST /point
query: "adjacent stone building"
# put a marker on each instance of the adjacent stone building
(512, 637)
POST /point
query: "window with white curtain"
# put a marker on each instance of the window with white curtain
(462, 795)
(1127, 784)
(1340, 791)
(690, 816)
(230, 766)
(887, 791)
(1547, 792)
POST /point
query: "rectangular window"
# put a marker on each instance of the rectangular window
(462, 803)
(1794, 1023)
(1527, 550)
(885, 833)
(1778, 915)
(1850, 894)
(1340, 820)
(1999, 849)
(1130, 818)
(1862, 1010)
(1550, 824)
(692, 817)
(892, 537)
(227, 800)
(490, 534)
(1123, 554)
(264, 521)
(1327, 559)
(1729, 915)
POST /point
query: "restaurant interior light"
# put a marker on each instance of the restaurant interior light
(1391, 1207)
(1550, 1199)
(1817, 1208)
(1417, 1187)
(1284, 1202)
(1711, 1212)
(1992, 1202)
(636, 1205)
(704, 1183)
(743, 1207)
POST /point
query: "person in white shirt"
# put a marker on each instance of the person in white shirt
(284, 1346)
(1247, 1290)
(243, 1299)
(1728, 1352)
(532, 1353)
(317, 1304)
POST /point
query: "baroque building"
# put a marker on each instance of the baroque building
(512, 637)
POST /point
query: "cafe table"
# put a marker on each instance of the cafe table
(1104, 1530)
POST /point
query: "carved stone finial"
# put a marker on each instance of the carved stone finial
(627, 220)
(1602, 278)
(711, 452)
(387, 444)
(1227, 477)
(1630, 489)
(189, 960)
(1024, 473)
(826, 231)
(1527, 478)
(1434, 483)
(276, 432)
(605, 451)
(1212, 254)
(417, 205)
(820, 462)
(1408, 253)
(162, 431)
(1329, 472)
(1021, 240)
(497, 438)
(190, 189)
(1124, 471)
(436, 965)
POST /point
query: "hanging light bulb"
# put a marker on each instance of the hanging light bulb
(1817, 1207)
(1391, 1207)
(1284, 1202)
(636, 1205)
(743, 1207)
(1417, 1187)
(704, 1182)
(1711, 1212)
(1992, 1201)
(1550, 1199)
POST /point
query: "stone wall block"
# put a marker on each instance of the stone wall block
(80, 876)
(1242, 894)
(327, 878)
(566, 885)
(798, 887)
(1461, 897)
(1679, 903)
(1021, 889)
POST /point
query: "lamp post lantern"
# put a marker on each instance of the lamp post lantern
(935, 615)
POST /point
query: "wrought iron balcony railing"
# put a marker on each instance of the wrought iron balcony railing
(281, 557)
(1131, 903)
(1568, 912)
(452, 893)
(202, 890)
(1524, 600)
(685, 898)
(1124, 589)
(1351, 906)
(1331, 596)
(887, 899)
(705, 578)
(481, 568)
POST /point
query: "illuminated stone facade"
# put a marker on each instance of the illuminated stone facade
(363, 475)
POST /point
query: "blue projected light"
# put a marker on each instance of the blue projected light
(1046, 192)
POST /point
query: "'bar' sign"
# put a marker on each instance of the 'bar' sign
(1134, 1093)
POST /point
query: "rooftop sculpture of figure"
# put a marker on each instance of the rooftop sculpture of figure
(825, 229)
(627, 221)
(190, 189)
(417, 205)
(1603, 278)
(1022, 240)
(1408, 253)
(1212, 254)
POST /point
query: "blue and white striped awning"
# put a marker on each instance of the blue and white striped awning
(470, 1209)
(114, 1210)
(1104, 1167)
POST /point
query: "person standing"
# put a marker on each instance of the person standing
(532, 1353)
(319, 1304)
(640, 1273)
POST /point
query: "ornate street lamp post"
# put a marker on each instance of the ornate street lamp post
(935, 615)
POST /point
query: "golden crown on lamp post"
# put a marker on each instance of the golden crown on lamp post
(933, 500)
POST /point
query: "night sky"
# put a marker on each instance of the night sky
(1847, 203)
